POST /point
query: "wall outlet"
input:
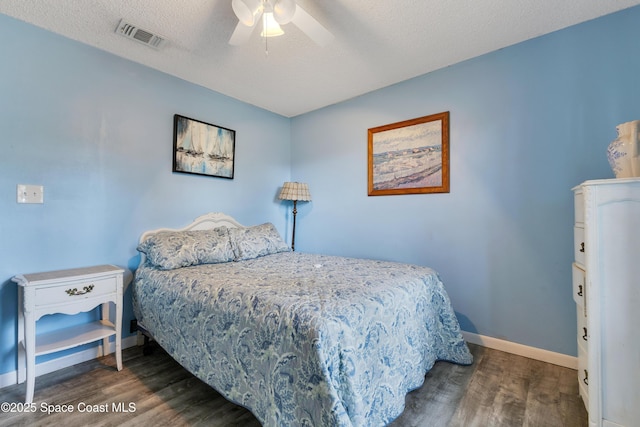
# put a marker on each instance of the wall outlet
(133, 326)
(30, 193)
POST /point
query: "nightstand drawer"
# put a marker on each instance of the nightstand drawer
(74, 291)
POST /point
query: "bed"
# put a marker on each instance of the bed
(299, 339)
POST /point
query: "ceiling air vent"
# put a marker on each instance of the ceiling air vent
(142, 36)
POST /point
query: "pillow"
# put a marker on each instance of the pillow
(174, 249)
(256, 241)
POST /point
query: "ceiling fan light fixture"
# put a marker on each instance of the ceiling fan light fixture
(270, 27)
(274, 13)
(247, 11)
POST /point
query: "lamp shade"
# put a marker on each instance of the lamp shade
(247, 11)
(295, 191)
(270, 27)
(283, 11)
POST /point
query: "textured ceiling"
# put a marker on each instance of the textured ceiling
(377, 43)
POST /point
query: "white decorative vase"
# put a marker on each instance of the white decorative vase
(623, 151)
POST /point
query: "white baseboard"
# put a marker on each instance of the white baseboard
(522, 350)
(11, 378)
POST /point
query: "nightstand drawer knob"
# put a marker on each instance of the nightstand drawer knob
(586, 377)
(75, 291)
(584, 337)
(582, 247)
(580, 290)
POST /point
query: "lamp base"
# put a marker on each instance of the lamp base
(293, 234)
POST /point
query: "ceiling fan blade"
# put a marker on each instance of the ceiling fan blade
(311, 27)
(242, 33)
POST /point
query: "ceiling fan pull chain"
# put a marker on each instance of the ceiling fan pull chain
(266, 39)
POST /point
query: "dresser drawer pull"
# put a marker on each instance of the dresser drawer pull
(75, 291)
(584, 337)
(586, 377)
(579, 290)
(582, 247)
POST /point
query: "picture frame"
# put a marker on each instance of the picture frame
(409, 157)
(202, 148)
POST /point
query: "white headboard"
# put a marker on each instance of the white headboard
(205, 222)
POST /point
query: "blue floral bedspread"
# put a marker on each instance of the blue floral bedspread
(301, 339)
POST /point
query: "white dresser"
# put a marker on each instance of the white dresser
(69, 292)
(606, 289)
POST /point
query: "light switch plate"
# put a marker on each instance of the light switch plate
(30, 193)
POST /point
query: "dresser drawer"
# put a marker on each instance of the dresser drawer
(74, 291)
(578, 203)
(578, 245)
(583, 332)
(583, 376)
(579, 287)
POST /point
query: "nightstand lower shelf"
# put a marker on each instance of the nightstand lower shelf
(74, 336)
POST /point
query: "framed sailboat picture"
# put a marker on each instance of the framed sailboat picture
(409, 157)
(203, 149)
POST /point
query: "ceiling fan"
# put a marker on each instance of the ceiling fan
(273, 14)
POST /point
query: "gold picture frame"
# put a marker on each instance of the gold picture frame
(409, 157)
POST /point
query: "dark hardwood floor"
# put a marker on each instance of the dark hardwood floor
(499, 389)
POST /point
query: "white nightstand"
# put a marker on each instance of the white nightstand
(68, 292)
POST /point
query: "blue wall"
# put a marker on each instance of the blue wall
(97, 131)
(528, 123)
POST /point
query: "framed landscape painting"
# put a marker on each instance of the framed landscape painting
(409, 157)
(203, 149)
